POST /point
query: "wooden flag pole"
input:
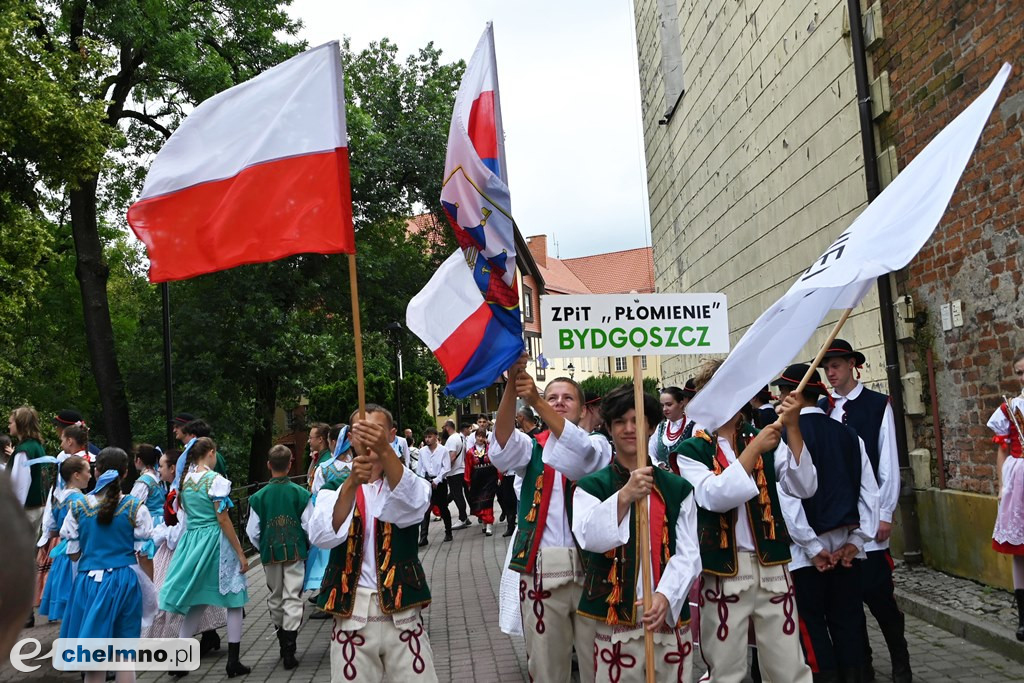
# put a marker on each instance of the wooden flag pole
(821, 353)
(643, 525)
(357, 331)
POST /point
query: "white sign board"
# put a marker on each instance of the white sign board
(634, 324)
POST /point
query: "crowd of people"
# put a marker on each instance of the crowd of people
(770, 531)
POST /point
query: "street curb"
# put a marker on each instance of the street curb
(965, 626)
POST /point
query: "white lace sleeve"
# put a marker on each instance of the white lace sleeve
(219, 487)
(999, 423)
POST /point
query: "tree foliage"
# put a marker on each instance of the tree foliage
(602, 385)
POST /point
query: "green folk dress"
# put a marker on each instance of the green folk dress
(205, 569)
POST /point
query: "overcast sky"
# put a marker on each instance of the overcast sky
(569, 96)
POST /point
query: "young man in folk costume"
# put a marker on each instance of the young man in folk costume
(744, 543)
(374, 585)
(435, 461)
(669, 431)
(604, 523)
(319, 449)
(870, 415)
(829, 531)
(543, 550)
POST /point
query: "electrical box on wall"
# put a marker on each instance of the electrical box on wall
(903, 314)
(946, 312)
(913, 404)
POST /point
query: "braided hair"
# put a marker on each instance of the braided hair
(203, 446)
(110, 458)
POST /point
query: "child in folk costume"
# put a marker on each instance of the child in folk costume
(543, 550)
(669, 431)
(744, 543)
(75, 474)
(278, 518)
(102, 531)
(166, 535)
(869, 414)
(604, 525)
(333, 472)
(208, 567)
(829, 531)
(151, 493)
(481, 481)
(1008, 535)
(375, 585)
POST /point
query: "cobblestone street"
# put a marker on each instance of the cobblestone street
(468, 646)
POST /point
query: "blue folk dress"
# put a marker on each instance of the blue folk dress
(205, 569)
(106, 598)
(61, 576)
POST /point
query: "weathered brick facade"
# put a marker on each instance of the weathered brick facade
(939, 56)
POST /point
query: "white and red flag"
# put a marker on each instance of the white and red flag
(468, 314)
(882, 239)
(255, 173)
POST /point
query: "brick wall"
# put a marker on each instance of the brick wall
(940, 54)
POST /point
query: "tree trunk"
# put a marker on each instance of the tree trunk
(92, 272)
(263, 434)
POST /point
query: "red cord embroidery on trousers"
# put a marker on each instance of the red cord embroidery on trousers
(788, 626)
(538, 595)
(522, 590)
(723, 601)
(412, 639)
(617, 660)
(349, 641)
(683, 650)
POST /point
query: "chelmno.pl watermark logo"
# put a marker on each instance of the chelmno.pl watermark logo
(108, 654)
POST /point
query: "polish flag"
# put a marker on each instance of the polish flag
(254, 174)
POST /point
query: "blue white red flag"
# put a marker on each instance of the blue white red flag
(468, 314)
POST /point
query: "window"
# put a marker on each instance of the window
(620, 364)
(643, 362)
(671, 57)
(527, 304)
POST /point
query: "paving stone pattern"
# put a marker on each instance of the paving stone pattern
(469, 647)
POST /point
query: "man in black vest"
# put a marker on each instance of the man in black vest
(870, 415)
(828, 532)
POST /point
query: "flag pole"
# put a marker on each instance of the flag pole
(823, 350)
(643, 525)
(358, 334)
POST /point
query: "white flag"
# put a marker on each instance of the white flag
(884, 238)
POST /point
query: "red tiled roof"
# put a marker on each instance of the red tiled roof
(616, 272)
(558, 279)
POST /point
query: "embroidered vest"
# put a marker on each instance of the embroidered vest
(280, 505)
(716, 532)
(663, 453)
(609, 584)
(534, 501)
(155, 497)
(837, 460)
(401, 581)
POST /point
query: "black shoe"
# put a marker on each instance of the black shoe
(209, 640)
(1019, 595)
(319, 614)
(312, 598)
(235, 667)
(288, 648)
(447, 537)
(31, 621)
(423, 542)
(509, 529)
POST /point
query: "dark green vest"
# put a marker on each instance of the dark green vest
(280, 505)
(609, 584)
(716, 532)
(37, 487)
(401, 581)
(534, 500)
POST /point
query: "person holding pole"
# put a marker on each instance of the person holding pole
(870, 415)
(604, 523)
(374, 586)
(543, 550)
(736, 473)
(829, 531)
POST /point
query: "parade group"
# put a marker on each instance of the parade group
(771, 531)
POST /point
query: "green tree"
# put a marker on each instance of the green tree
(133, 68)
(601, 385)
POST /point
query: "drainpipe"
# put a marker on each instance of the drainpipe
(908, 504)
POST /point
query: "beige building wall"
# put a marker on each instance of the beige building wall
(760, 165)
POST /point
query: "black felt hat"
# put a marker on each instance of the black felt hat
(690, 388)
(765, 395)
(790, 379)
(182, 419)
(841, 348)
(66, 418)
